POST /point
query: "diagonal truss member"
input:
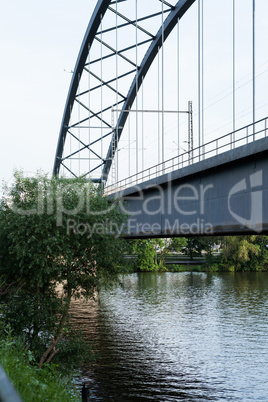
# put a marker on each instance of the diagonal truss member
(95, 34)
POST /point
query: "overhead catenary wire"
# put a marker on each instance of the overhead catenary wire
(234, 92)
(129, 132)
(163, 99)
(178, 82)
(137, 87)
(253, 65)
(116, 133)
(79, 138)
(101, 50)
(70, 138)
(158, 105)
(142, 125)
(200, 77)
(202, 71)
(89, 108)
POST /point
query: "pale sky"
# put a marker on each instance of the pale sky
(38, 40)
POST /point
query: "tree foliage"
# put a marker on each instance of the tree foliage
(178, 244)
(237, 253)
(246, 253)
(145, 252)
(195, 245)
(151, 254)
(55, 232)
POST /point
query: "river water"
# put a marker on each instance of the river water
(179, 336)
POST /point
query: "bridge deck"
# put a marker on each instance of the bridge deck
(225, 194)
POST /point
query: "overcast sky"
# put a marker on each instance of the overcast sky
(38, 40)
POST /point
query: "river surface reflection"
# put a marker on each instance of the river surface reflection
(180, 336)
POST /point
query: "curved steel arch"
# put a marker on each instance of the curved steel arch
(92, 28)
(175, 14)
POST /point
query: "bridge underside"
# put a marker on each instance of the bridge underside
(223, 195)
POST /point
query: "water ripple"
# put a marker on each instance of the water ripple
(180, 336)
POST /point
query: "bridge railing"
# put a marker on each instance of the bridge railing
(227, 142)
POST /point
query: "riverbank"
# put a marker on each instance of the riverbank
(206, 263)
(213, 253)
(31, 383)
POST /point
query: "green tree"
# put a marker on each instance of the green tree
(178, 244)
(151, 253)
(245, 253)
(146, 255)
(55, 232)
(163, 246)
(195, 246)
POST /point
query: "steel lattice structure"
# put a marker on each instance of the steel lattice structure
(96, 120)
(126, 42)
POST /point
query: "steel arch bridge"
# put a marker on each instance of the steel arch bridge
(124, 41)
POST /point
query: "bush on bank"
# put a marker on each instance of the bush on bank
(31, 383)
(55, 232)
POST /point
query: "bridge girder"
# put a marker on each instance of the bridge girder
(224, 195)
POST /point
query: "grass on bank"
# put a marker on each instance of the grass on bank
(31, 383)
